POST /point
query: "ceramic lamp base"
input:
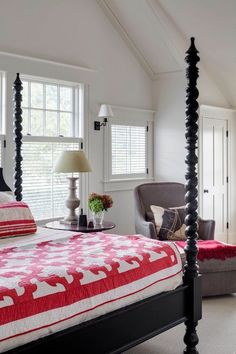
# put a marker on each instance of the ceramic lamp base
(68, 222)
(72, 202)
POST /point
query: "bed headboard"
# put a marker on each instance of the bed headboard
(3, 186)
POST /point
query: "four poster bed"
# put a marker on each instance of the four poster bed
(129, 325)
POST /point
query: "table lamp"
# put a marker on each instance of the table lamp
(71, 161)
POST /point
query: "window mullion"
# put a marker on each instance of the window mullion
(58, 110)
(44, 109)
(48, 109)
(29, 110)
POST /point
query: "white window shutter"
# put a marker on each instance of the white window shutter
(128, 150)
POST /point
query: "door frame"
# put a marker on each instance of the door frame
(213, 112)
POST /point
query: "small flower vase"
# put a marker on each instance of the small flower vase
(98, 218)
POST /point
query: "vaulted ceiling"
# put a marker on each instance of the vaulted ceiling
(158, 32)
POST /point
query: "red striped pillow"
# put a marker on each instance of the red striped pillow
(16, 220)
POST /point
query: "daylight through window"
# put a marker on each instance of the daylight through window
(51, 124)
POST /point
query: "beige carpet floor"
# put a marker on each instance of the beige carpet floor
(217, 331)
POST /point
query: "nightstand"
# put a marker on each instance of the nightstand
(107, 225)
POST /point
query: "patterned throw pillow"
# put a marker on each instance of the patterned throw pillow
(16, 220)
(169, 223)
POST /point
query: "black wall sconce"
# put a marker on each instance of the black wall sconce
(105, 112)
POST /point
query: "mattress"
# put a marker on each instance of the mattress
(55, 279)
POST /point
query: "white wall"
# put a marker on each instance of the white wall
(169, 138)
(76, 32)
(169, 102)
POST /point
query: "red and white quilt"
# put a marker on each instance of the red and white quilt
(48, 285)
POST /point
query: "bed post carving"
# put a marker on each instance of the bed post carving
(191, 267)
(18, 136)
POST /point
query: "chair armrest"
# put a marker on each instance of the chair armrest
(206, 229)
(145, 228)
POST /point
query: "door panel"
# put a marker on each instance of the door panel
(214, 174)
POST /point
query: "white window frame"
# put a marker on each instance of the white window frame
(78, 89)
(78, 126)
(129, 176)
(130, 117)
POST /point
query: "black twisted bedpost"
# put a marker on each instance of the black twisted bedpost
(191, 277)
(18, 135)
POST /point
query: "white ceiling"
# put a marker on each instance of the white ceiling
(158, 31)
(139, 21)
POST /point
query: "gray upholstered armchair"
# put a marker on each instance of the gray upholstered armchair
(164, 194)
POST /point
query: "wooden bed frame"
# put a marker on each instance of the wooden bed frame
(122, 329)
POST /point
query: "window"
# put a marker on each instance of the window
(128, 148)
(49, 109)
(45, 191)
(51, 123)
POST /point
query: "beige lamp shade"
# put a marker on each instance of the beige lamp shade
(105, 111)
(72, 161)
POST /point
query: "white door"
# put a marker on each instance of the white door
(214, 175)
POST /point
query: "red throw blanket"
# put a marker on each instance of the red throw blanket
(212, 249)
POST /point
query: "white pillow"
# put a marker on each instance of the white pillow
(6, 197)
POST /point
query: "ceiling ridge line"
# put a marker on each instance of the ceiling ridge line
(168, 28)
(124, 34)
